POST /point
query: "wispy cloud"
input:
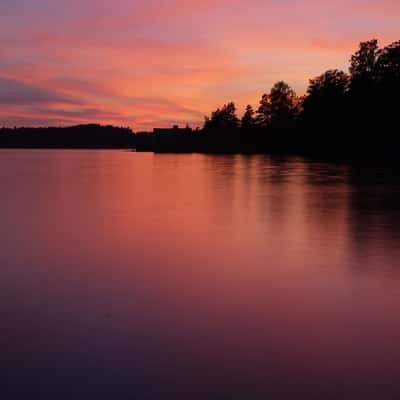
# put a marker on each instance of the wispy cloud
(13, 92)
(154, 62)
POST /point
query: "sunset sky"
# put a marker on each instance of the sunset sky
(147, 63)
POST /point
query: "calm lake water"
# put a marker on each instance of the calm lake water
(143, 276)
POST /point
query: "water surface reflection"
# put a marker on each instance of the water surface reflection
(136, 275)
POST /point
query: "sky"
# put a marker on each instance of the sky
(154, 63)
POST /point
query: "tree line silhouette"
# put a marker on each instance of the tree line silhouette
(341, 113)
(80, 136)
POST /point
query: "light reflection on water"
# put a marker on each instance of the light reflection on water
(136, 275)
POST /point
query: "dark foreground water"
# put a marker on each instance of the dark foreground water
(139, 276)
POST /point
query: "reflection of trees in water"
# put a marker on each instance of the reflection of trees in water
(277, 180)
(332, 213)
(221, 175)
(248, 190)
(325, 209)
(374, 207)
(302, 197)
(326, 174)
(326, 198)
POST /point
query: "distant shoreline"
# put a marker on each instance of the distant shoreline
(91, 136)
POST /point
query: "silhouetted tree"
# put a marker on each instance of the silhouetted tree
(276, 114)
(248, 121)
(224, 118)
(387, 68)
(263, 114)
(387, 91)
(277, 107)
(362, 63)
(250, 134)
(323, 108)
(332, 84)
(220, 132)
(362, 99)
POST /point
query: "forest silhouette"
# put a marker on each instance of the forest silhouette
(342, 113)
(81, 136)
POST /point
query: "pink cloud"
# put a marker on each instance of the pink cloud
(155, 62)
